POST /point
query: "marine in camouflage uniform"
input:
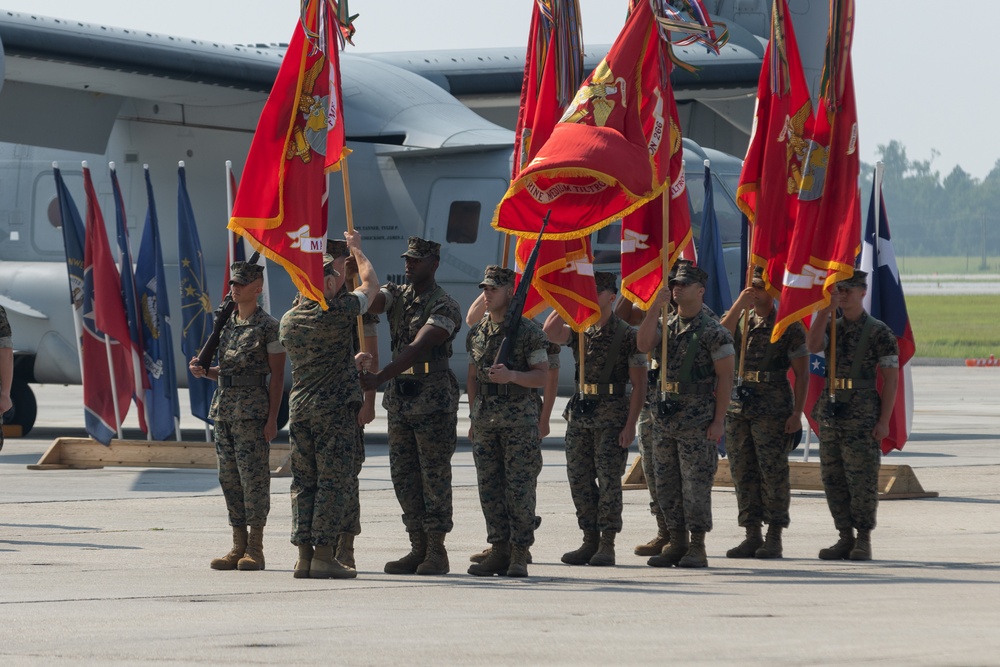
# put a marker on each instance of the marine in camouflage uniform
(421, 399)
(851, 429)
(6, 367)
(244, 408)
(504, 411)
(602, 422)
(763, 417)
(690, 417)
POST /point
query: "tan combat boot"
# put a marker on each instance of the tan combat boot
(498, 562)
(605, 556)
(345, 549)
(436, 559)
(840, 550)
(408, 563)
(772, 544)
(518, 561)
(673, 552)
(254, 557)
(231, 559)
(325, 566)
(749, 546)
(302, 565)
(695, 556)
(481, 556)
(862, 546)
(582, 556)
(655, 545)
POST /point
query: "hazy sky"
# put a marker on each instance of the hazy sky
(914, 83)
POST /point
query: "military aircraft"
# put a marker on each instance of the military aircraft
(430, 133)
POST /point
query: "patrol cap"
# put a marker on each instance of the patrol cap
(677, 265)
(688, 274)
(758, 277)
(337, 248)
(495, 276)
(606, 281)
(244, 273)
(419, 248)
(328, 260)
(859, 279)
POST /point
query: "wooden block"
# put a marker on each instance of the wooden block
(894, 482)
(85, 453)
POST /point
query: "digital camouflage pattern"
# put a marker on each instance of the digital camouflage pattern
(438, 392)
(594, 461)
(755, 427)
(352, 513)
(482, 345)
(244, 470)
(685, 461)
(244, 346)
(323, 408)
(505, 442)
(422, 428)
(849, 456)
(6, 336)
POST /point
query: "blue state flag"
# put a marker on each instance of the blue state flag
(127, 276)
(717, 296)
(157, 342)
(73, 240)
(196, 306)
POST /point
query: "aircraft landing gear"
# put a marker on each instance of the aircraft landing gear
(25, 408)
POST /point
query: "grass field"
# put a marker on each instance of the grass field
(955, 326)
(947, 265)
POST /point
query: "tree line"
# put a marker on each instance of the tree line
(931, 216)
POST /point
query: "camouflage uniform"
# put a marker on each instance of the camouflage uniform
(685, 460)
(592, 451)
(423, 423)
(323, 410)
(352, 513)
(848, 454)
(505, 442)
(755, 427)
(240, 413)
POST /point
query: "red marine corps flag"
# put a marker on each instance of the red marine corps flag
(827, 233)
(564, 275)
(299, 138)
(772, 172)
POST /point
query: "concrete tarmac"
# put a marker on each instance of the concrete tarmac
(110, 567)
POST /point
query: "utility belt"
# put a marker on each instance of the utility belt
(427, 367)
(242, 380)
(686, 388)
(617, 389)
(840, 384)
(765, 376)
(493, 389)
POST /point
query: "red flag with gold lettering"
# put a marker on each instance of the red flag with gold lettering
(827, 235)
(772, 171)
(595, 167)
(299, 138)
(564, 278)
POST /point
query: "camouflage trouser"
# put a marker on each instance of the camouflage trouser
(645, 428)
(244, 470)
(685, 470)
(352, 513)
(420, 451)
(322, 466)
(849, 460)
(508, 461)
(593, 454)
(758, 463)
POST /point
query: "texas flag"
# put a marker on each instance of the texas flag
(884, 301)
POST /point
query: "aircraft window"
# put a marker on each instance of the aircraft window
(463, 221)
(606, 244)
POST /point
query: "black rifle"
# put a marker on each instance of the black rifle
(512, 320)
(223, 313)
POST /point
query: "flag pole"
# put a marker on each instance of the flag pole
(506, 250)
(581, 342)
(664, 281)
(350, 228)
(746, 314)
(114, 386)
(879, 175)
